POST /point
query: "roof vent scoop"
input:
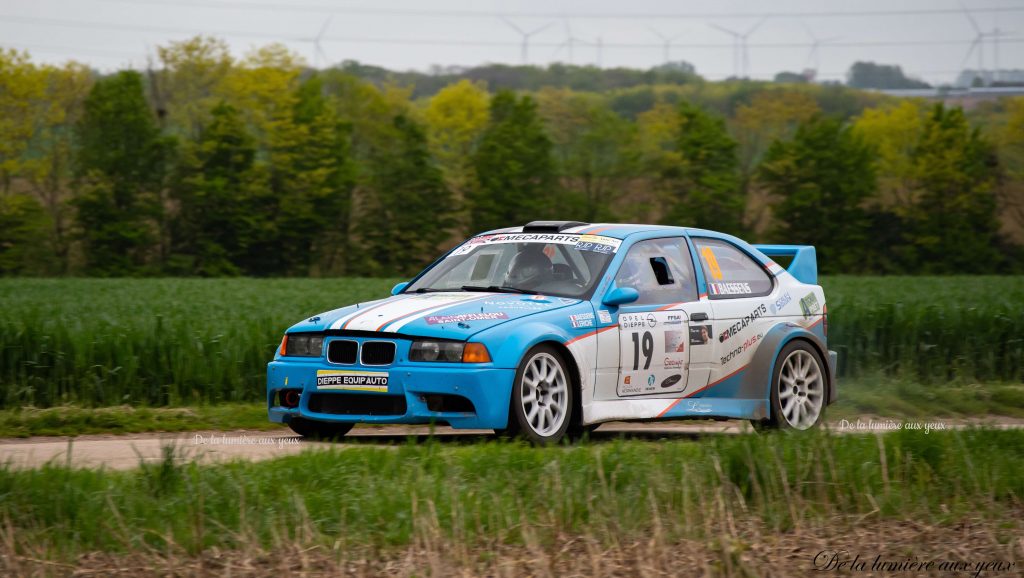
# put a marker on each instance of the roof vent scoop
(550, 226)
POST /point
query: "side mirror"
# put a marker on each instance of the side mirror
(621, 296)
(399, 288)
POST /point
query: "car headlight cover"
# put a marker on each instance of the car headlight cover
(444, 351)
(304, 344)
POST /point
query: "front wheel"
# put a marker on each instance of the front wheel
(319, 430)
(798, 389)
(542, 397)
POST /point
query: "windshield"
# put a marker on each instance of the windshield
(544, 263)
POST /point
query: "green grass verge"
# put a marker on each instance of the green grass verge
(860, 397)
(894, 398)
(496, 492)
(71, 420)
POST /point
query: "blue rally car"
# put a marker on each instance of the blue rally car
(554, 327)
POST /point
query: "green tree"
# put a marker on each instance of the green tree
(49, 162)
(212, 228)
(871, 75)
(954, 227)
(704, 185)
(190, 82)
(410, 211)
(455, 119)
(24, 228)
(821, 180)
(122, 161)
(595, 150)
(22, 99)
(319, 183)
(514, 167)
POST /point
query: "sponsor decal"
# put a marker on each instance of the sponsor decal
(675, 341)
(730, 288)
(352, 380)
(651, 320)
(650, 379)
(582, 320)
(752, 341)
(712, 262)
(780, 303)
(604, 316)
(626, 380)
(595, 243)
(700, 334)
(674, 320)
(740, 325)
(698, 406)
(809, 305)
(436, 297)
(633, 320)
(461, 317)
(512, 305)
(671, 380)
(538, 298)
(731, 355)
(674, 363)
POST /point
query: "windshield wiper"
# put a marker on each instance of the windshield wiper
(431, 290)
(497, 289)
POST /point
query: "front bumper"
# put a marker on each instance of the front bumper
(487, 388)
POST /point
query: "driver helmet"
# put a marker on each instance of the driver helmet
(529, 268)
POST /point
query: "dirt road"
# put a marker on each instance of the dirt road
(128, 451)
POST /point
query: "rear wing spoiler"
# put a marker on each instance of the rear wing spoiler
(804, 266)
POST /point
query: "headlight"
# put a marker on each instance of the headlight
(449, 352)
(304, 345)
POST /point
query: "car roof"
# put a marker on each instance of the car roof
(614, 230)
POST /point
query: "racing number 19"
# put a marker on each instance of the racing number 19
(646, 345)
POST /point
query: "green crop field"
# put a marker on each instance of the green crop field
(101, 342)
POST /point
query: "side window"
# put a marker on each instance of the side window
(729, 272)
(660, 270)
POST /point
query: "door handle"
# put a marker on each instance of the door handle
(699, 317)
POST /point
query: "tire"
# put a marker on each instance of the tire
(543, 397)
(799, 389)
(319, 430)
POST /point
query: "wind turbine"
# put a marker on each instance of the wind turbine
(813, 55)
(996, 33)
(526, 35)
(318, 50)
(666, 43)
(570, 41)
(740, 52)
(978, 43)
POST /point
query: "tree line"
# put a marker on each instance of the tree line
(210, 165)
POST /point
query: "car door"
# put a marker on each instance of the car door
(654, 332)
(742, 294)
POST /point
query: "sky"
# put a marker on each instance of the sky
(929, 39)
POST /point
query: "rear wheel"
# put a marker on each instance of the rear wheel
(798, 389)
(542, 397)
(319, 430)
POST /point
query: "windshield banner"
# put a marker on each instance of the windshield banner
(596, 243)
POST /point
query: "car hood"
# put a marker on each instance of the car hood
(455, 315)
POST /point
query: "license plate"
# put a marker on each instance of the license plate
(328, 379)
